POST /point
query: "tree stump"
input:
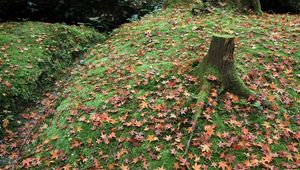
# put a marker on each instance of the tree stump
(219, 62)
(220, 57)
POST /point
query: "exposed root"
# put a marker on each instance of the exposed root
(198, 114)
(220, 63)
(233, 83)
(202, 98)
(237, 87)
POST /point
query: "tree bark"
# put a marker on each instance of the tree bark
(220, 56)
(257, 6)
(247, 5)
(219, 61)
(165, 4)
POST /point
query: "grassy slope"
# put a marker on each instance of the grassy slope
(131, 105)
(32, 54)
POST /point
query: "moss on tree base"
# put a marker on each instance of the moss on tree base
(219, 62)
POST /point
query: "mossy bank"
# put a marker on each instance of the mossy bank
(33, 55)
(131, 105)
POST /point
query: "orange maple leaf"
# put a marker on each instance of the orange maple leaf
(196, 167)
(144, 105)
(75, 144)
(223, 165)
(55, 154)
(209, 130)
(66, 167)
(26, 163)
(124, 167)
(151, 138)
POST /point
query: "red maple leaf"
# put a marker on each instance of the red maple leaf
(172, 83)
(227, 105)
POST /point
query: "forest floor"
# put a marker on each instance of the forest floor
(130, 106)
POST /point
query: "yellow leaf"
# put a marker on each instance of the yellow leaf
(205, 148)
(152, 138)
(5, 123)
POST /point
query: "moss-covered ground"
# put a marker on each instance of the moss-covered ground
(131, 105)
(33, 55)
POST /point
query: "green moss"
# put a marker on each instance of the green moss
(104, 85)
(34, 54)
(237, 86)
(166, 160)
(224, 35)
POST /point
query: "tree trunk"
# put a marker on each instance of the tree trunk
(247, 5)
(220, 56)
(219, 62)
(256, 6)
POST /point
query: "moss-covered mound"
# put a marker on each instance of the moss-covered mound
(131, 106)
(32, 55)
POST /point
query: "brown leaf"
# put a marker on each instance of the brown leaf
(26, 163)
(76, 144)
(130, 68)
(66, 167)
(55, 154)
(7, 85)
(140, 53)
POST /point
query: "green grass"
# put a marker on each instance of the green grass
(140, 78)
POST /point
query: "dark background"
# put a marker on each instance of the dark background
(104, 15)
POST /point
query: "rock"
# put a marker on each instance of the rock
(81, 62)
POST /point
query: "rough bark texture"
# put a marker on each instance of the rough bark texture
(220, 56)
(165, 4)
(256, 6)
